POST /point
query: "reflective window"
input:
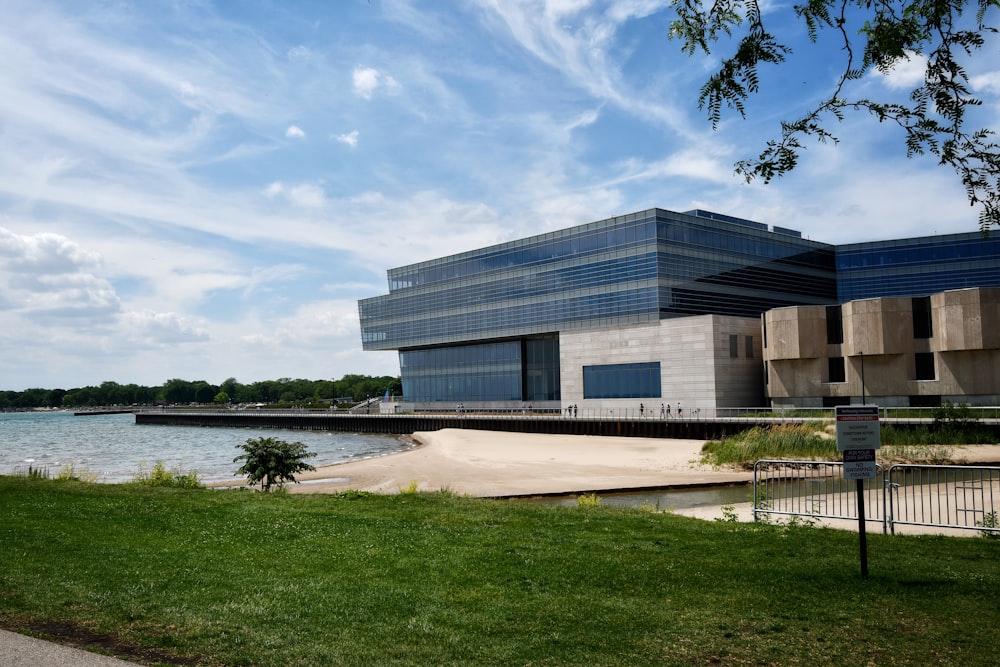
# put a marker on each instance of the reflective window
(918, 266)
(465, 373)
(541, 369)
(622, 381)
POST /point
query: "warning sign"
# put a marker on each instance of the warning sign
(859, 463)
(858, 427)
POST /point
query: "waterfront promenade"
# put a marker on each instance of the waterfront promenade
(614, 425)
(622, 423)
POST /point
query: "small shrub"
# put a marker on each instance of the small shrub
(159, 475)
(409, 490)
(588, 500)
(272, 462)
(353, 494)
(729, 514)
(989, 521)
(68, 473)
(959, 417)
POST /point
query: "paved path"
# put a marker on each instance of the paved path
(23, 651)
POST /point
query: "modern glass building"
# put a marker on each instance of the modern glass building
(917, 266)
(609, 311)
(484, 326)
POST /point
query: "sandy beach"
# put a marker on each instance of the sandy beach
(490, 464)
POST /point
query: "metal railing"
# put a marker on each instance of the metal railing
(939, 496)
(814, 489)
(944, 496)
(652, 412)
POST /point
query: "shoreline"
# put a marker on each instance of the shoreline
(495, 464)
(501, 464)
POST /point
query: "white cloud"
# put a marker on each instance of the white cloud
(307, 195)
(367, 80)
(294, 132)
(163, 329)
(580, 44)
(312, 323)
(906, 74)
(304, 195)
(270, 279)
(625, 10)
(274, 189)
(987, 82)
(48, 277)
(299, 53)
(350, 138)
(44, 253)
(703, 164)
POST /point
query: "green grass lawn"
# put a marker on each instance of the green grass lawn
(202, 577)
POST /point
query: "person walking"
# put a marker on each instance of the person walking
(663, 412)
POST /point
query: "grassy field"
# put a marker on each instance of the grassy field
(182, 576)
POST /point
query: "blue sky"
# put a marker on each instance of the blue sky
(201, 189)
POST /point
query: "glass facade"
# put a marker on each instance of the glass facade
(507, 371)
(574, 278)
(463, 373)
(917, 266)
(636, 268)
(622, 381)
(541, 369)
(709, 267)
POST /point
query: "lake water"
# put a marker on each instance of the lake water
(113, 448)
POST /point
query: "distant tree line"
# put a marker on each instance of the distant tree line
(355, 388)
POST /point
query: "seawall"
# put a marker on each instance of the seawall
(410, 423)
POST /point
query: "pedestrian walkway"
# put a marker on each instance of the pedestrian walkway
(23, 651)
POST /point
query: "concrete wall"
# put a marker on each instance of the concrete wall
(879, 347)
(967, 319)
(878, 326)
(739, 381)
(796, 332)
(695, 364)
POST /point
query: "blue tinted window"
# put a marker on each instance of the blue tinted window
(917, 267)
(640, 380)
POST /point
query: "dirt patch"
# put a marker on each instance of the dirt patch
(79, 636)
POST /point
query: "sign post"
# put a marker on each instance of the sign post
(858, 436)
